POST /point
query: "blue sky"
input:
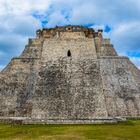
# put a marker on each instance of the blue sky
(19, 19)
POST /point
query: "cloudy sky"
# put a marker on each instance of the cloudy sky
(19, 19)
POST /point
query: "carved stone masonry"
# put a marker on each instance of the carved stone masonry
(69, 74)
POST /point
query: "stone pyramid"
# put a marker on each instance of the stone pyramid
(69, 74)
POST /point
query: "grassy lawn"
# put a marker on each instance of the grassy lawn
(123, 131)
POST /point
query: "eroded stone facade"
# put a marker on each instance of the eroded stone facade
(69, 73)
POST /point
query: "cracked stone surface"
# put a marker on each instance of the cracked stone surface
(44, 82)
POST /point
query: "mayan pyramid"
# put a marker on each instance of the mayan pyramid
(69, 74)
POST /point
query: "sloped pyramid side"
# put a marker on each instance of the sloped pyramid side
(92, 86)
(121, 86)
(16, 81)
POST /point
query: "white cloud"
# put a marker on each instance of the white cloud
(126, 36)
(56, 19)
(127, 27)
(17, 24)
(20, 7)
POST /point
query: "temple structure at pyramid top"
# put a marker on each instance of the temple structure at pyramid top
(69, 74)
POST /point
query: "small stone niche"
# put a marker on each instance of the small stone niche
(69, 53)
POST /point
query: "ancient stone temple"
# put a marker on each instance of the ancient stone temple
(69, 74)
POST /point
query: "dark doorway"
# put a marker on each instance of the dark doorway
(69, 53)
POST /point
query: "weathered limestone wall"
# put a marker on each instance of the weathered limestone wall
(107, 51)
(120, 86)
(82, 48)
(33, 49)
(71, 35)
(68, 89)
(14, 83)
(69, 74)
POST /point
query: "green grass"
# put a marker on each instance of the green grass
(123, 131)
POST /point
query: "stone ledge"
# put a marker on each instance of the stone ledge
(135, 118)
(24, 58)
(25, 120)
(112, 57)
